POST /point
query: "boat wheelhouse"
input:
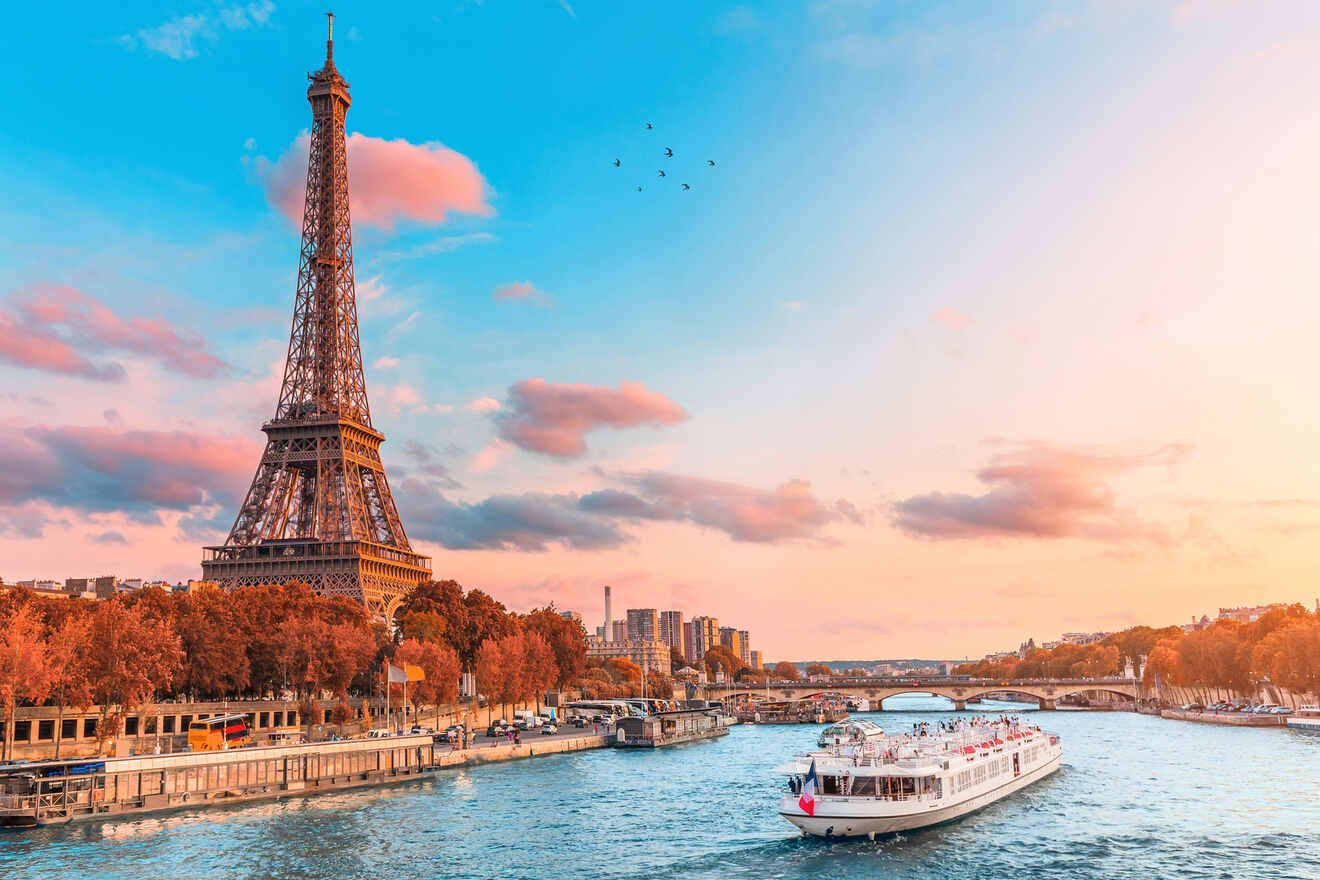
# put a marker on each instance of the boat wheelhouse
(884, 785)
(850, 732)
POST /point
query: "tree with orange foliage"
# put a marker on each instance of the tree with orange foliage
(131, 652)
(785, 671)
(1162, 665)
(440, 664)
(500, 670)
(70, 685)
(539, 668)
(25, 671)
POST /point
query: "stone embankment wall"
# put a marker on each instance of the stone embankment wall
(35, 732)
(531, 748)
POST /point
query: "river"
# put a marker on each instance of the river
(1136, 797)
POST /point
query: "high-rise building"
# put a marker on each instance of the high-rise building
(619, 631)
(609, 612)
(690, 642)
(671, 629)
(730, 638)
(643, 625)
(745, 646)
(319, 509)
(705, 635)
(755, 661)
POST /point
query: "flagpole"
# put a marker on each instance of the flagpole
(388, 720)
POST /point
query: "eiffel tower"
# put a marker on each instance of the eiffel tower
(319, 509)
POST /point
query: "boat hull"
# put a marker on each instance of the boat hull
(850, 818)
(1306, 723)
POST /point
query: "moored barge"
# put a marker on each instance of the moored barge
(62, 791)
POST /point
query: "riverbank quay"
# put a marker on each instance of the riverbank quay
(1230, 719)
(65, 791)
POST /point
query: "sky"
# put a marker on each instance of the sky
(989, 321)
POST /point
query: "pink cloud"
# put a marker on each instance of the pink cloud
(745, 513)
(56, 328)
(1040, 492)
(484, 405)
(106, 469)
(389, 181)
(947, 316)
(524, 291)
(554, 418)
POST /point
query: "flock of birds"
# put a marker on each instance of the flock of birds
(669, 154)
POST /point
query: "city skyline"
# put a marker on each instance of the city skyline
(1058, 352)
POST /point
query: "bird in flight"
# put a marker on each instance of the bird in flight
(710, 162)
(616, 163)
(662, 172)
(669, 154)
(686, 187)
(648, 126)
(639, 189)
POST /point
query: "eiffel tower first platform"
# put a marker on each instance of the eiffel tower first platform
(319, 509)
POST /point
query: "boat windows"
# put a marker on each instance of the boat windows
(830, 785)
(864, 786)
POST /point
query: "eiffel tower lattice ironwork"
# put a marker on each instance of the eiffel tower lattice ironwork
(319, 509)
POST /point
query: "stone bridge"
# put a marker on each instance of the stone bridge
(1043, 692)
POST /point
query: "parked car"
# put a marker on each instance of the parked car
(1282, 710)
(498, 728)
(580, 721)
(419, 730)
(549, 728)
(1193, 707)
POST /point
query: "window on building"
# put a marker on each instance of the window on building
(265, 719)
(327, 717)
(22, 731)
(184, 722)
(131, 725)
(167, 724)
(89, 728)
(46, 729)
(69, 728)
(278, 719)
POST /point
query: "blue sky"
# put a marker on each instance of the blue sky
(937, 236)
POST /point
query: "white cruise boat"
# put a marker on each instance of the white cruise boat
(908, 781)
(1305, 718)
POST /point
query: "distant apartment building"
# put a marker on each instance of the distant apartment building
(105, 586)
(671, 629)
(651, 656)
(76, 586)
(1083, 638)
(619, 631)
(643, 625)
(602, 634)
(730, 639)
(1248, 614)
(705, 635)
(745, 646)
(754, 659)
(571, 615)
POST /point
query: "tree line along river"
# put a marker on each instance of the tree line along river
(1137, 796)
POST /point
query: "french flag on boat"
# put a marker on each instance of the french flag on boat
(808, 799)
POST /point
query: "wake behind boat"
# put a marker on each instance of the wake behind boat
(881, 785)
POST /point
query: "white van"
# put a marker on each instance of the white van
(527, 720)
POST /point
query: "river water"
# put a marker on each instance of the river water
(1136, 797)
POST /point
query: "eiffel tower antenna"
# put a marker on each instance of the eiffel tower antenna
(319, 509)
